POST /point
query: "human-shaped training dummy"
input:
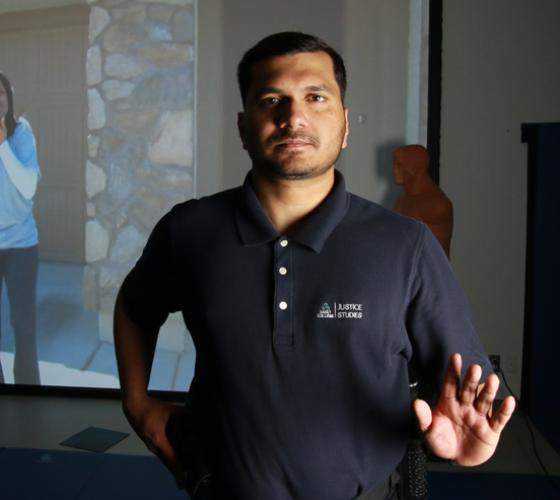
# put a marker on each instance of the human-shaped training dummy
(421, 198)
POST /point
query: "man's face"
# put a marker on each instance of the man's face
(294, 124)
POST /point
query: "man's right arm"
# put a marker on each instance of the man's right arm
(148, 416)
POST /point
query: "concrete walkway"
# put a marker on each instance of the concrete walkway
(70, 351)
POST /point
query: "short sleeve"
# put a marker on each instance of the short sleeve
(439, 321)
(150, 291)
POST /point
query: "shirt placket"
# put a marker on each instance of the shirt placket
(283, 296)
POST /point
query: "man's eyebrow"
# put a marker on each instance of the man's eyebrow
(268, 90)
(308, 88)
(319, 88)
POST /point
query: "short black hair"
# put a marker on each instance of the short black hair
(283, 44)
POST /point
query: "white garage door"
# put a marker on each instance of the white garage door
(43, 53)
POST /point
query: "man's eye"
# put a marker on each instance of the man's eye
(317, 98)
(270, 100)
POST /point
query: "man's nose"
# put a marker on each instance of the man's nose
(292, 114)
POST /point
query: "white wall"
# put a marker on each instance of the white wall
(375, 48)
(500, 69)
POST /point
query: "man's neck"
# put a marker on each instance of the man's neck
(288, 202)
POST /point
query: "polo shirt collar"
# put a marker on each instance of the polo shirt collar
(255, 228)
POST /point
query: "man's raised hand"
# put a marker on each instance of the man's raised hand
(462, 426)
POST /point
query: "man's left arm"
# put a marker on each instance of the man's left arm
(460, 426)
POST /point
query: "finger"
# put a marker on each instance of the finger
(169, 456)
(172, 463)
(485, 399)
(423, 414)
(468, 391)
(502, 416)
(452, 378)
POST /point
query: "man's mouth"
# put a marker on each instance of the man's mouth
(293, 142)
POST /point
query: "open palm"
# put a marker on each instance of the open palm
(462, 427)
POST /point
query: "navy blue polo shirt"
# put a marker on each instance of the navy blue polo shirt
(303, 341)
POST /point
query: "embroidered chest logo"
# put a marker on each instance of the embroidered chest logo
(325, 311)
(340, 311)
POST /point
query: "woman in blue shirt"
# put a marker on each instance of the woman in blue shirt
(19, 175)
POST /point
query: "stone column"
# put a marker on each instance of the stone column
(140, 77)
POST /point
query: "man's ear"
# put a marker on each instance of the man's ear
(347, 129)
(241, 127)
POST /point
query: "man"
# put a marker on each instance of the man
(306, 305)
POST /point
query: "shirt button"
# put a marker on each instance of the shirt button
(284, 243)
(283, 305)
(283, 271)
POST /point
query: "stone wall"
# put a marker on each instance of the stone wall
(140, 77)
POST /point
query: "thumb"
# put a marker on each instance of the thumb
(423, 414)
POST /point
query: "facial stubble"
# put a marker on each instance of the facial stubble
(281, 169)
